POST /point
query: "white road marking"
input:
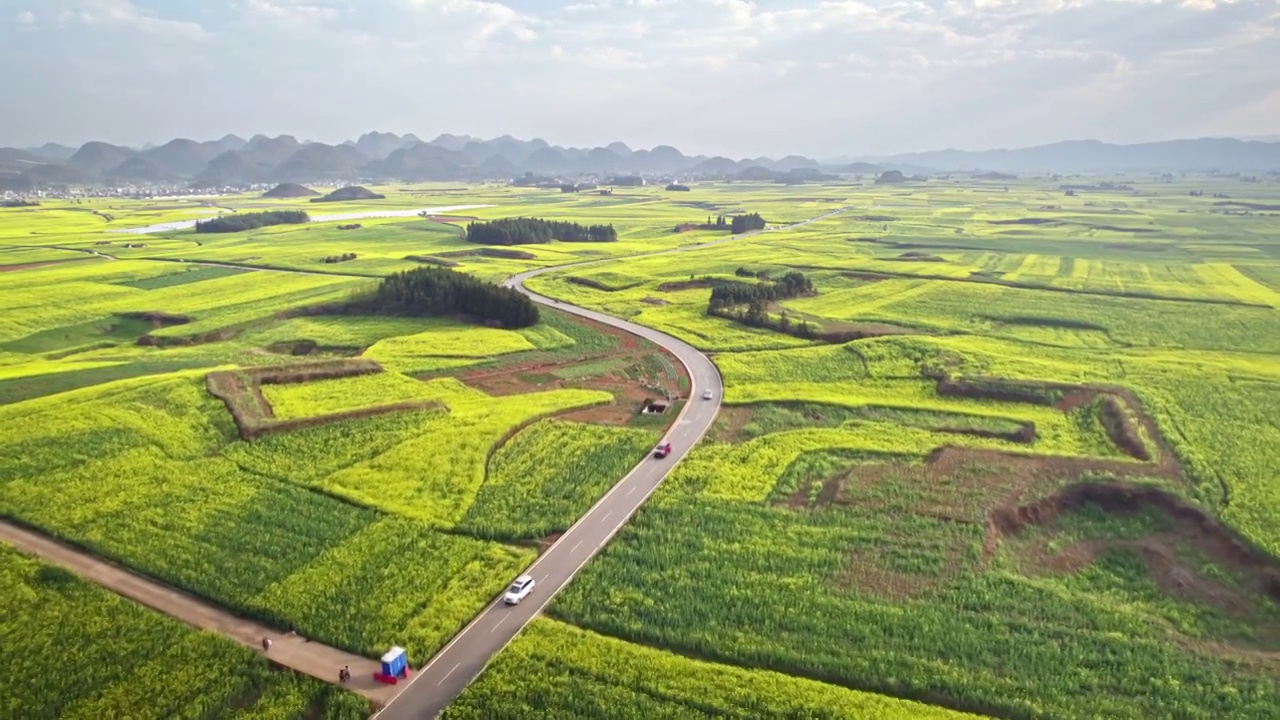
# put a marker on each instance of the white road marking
(446, 675)
(666, 341)
(575, 547)
(606, 517)
(632, 490)
(495, 627)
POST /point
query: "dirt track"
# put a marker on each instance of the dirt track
(289, 650)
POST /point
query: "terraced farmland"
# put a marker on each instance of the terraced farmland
(1019, 464)
(951, 509)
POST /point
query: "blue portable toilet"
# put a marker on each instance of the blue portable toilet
(395, 662)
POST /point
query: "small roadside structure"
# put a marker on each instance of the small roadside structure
(395, 666)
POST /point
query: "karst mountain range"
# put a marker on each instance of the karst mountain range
(234, 161)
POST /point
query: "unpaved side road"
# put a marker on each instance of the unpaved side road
(290, 650)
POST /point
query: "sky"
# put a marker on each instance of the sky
(820, 78)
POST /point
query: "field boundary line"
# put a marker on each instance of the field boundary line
(547, 598)
(516, 282)
(288, 649)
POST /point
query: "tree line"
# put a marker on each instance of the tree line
(755, 315)
(736, 224)
(732, 292)
(526, 231)
(748, 303)
(745, 223)
(251, 221)
(441, 291)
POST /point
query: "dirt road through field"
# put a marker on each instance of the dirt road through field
(290, 650)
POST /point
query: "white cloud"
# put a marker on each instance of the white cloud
(486, 18)
(877, 72)
(288, 12)
(26, 18)
(124, 16)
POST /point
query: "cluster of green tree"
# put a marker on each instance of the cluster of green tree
(728, 294)
(18, 203)
(525, 231)
(339, 258)
(441, 291)
(720, 224)
(251, 221)
(746, 272)
(736, 224)
(676, 187)
(748, 303)
(755, 315)
(745, 223)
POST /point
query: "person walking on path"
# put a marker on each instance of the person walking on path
(344, 674)
(266, 644)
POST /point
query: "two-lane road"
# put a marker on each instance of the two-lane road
(433, 687)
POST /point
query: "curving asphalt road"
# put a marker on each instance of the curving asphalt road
(434, 686)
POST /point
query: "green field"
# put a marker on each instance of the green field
(1028, 473)
(819, 533)
(79, 651)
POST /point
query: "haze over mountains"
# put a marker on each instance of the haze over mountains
(234, 161)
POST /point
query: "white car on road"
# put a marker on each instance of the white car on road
(519, 590)
(706, 395)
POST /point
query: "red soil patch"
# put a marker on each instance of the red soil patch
(1074, 399)
(1127, 499)
(1193, 527)
(1001, 495)
(548, 541)
(629, 394)
(968, 484)
(1119, 410)
(241, 391)
(1160, 554)
(729, 424)
(677, 285)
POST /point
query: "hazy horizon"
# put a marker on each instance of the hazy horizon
(691, 152)
(819, 78)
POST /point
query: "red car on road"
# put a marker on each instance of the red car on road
(662, 450)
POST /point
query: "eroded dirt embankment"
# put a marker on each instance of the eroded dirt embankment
(1206, 533)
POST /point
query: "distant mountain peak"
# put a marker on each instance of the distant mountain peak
(232, 161)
